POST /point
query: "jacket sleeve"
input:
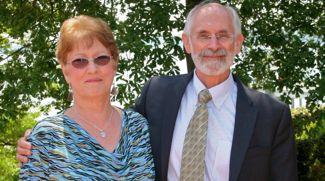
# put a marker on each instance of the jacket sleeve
(283, 159)
(140, 102)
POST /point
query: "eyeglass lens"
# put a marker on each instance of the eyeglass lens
(83, 62)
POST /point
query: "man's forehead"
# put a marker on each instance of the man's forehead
(212, 17)
(212, 8)
(204, 31)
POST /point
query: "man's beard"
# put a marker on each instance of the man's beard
(213, 67)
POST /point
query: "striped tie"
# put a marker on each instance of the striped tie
(192, 166)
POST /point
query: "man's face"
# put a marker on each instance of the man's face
(212, 42)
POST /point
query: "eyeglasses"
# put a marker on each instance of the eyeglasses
(81, 63)
(221, 38)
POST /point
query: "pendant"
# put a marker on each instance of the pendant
(102, 134)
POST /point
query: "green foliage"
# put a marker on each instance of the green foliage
(310, 140)
(8, 165)
(284, 47)
(148, 45)
(12, 131)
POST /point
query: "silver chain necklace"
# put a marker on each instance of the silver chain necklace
(102, 132)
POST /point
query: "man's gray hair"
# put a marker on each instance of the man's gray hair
(235, 18)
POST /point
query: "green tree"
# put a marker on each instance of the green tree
(284, 50)
(310, 142)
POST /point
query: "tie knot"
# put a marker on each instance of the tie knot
(204, 96)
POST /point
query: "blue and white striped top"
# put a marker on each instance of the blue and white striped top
(62, 150)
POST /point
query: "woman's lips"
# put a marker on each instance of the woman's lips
(93, 80)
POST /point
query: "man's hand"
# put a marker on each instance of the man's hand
(23, 149)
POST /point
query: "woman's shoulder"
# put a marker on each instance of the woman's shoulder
(134, 120)
(134, 116)
(49, 125)
(51, 121)
(131, 112)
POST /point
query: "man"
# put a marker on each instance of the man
(249, 134)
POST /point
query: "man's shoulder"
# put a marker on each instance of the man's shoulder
(260, 97)
(163, 83)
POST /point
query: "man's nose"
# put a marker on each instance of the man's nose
(214, 43)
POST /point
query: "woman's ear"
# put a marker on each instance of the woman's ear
(65, 72)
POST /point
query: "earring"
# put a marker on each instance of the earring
(70, 94)
(114, 90)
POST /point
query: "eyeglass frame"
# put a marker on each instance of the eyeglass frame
(221, 37)
(94, 60)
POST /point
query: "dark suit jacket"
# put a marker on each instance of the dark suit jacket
(263, 142)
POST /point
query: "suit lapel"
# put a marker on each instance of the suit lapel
(244, 125)
(173, 97)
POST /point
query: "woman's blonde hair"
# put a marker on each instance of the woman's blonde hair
(85, 29)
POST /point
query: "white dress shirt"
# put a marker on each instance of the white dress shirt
(222, 109)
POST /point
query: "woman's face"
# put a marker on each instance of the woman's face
(92, 79)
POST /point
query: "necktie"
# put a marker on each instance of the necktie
(192, 165)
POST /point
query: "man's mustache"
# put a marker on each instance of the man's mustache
(208, 52)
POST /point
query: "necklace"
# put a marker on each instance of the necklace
(102, 132)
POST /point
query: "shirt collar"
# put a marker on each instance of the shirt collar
(219, 92)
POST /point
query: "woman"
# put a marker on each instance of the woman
(92, 139)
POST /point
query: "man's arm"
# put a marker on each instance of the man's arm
(23, 148)
(139, 105)
(284, 159)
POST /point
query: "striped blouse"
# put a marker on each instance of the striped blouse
(62, 150)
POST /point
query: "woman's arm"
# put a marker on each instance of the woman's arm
(40, 140)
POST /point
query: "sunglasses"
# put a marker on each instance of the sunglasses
(81, 63)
